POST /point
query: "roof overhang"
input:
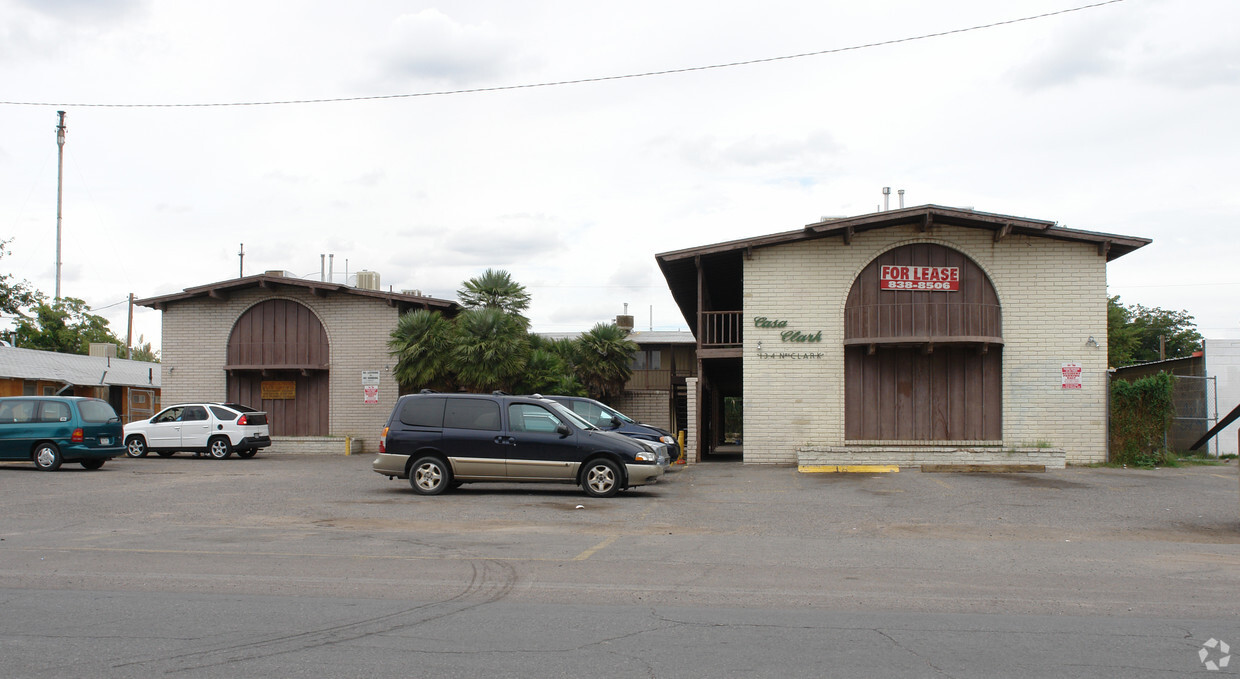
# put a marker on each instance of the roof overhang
(223, 290)
(680, 266)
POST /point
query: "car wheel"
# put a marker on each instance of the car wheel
(92, 464)
(135, 446)
(219, 447)
(430, 476)
(47, 457)
(601, 478)
(247, 454)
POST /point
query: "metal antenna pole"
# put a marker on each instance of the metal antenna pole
(241, 263)
(60, 182)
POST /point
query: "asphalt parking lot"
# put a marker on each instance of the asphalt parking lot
(288, 565)
(1096, 539)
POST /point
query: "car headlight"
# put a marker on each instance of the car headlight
(647, 456)
(669, 440)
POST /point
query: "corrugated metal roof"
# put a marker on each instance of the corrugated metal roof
(32, 364)
(640, 337)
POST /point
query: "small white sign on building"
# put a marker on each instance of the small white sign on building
(370, 377)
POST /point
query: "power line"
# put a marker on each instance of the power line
(580, 81)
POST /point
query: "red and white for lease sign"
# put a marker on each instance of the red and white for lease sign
(941, 278)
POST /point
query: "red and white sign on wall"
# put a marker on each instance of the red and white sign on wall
(1071, 376)
(934, 278)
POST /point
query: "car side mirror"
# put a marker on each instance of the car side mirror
(562, 429)
(615, 423)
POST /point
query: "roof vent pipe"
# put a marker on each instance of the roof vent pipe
(322, 268)
(901, 192)
(331, 266)
(886, 198)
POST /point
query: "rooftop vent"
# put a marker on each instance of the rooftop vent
(368, 280)
(412, 293)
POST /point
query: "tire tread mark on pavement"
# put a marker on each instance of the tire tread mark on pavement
(483, 588)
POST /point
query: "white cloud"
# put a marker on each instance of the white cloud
(430, 45)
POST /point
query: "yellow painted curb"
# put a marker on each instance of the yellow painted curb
(847, 468)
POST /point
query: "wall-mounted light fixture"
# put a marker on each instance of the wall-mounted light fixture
(759, 345)
(1091, 342)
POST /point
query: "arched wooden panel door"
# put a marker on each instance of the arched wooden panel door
(923, 349)
(278, 358)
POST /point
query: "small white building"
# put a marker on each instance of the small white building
(1223, 364)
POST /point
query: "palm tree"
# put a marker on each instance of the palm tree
(490, 349)
(605, 353)
(495, 289)
(421, 344)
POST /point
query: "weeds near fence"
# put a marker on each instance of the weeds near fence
(1141, 412)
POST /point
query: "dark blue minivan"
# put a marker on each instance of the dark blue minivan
(49, 430)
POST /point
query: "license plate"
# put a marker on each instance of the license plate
(105, 441)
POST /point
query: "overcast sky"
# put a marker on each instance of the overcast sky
(1120, 118)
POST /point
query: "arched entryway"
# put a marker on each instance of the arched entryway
(278, 358)
(923, 347)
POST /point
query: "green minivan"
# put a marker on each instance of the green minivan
(49, 430)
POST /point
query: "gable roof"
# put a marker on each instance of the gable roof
(76, 369)
(223, 289)
(680, 266)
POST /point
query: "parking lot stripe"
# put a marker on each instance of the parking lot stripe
(590, 552)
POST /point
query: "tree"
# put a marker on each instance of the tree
(16, 297)
(66, 326)
(421, 343)
(141, 351)
(495, 289)
(605, 354)
(1133, 333)
(489, 350)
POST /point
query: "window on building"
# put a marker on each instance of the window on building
(647, 359)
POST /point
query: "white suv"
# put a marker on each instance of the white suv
(217, 429)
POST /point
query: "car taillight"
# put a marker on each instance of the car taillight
(383, 440)
(78, 435)
(241, 420)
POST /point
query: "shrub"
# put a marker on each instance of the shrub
(1141, 412)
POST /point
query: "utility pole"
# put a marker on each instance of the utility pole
(129, 333)
(60, 182)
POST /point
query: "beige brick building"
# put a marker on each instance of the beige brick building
(312, 354)
(910, 336)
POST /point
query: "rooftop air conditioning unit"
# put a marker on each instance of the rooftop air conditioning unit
(368, 280)
(412, 293)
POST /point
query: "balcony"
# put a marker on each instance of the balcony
(720, 330)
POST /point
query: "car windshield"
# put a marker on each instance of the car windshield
(96, 411)
(618, 415)
(570, 416)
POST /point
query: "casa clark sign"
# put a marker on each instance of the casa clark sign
(932, 278)
(786, 335)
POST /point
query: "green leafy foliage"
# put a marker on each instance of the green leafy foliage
(17, 298)
(66, 326)
(495, 289)
(141, 351)
(1133, 333)
(605, 354)
(1141, 412)
(488, 347)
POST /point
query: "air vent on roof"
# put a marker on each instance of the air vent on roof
(368, 280)
(414, 293)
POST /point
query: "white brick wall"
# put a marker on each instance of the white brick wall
(1053, 297)
(195, 343)
(652, 407)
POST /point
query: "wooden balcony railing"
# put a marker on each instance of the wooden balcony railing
(720, 329)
